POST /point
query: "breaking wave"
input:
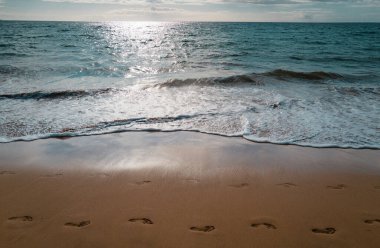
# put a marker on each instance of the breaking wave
(40, 95)
(255, 78)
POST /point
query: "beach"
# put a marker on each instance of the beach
(186, 189)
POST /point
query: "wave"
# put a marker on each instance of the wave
(232, 80)
(6, 45)
(40, 95)
(125, 122)
(73, 71)
(315, 75)
(68, 45)
(340, 58)
(253, 78)
(10, 54)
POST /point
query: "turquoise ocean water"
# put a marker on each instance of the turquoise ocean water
(287, 83)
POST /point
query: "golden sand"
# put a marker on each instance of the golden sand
(186, 189)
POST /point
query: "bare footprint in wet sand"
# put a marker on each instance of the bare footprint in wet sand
(143, 182)
(339, 186)
(144, 221)
(373, 221)
(21, 218)
(7, 172)
(287, 185)
(239, 185)
(202, 228)
(78, 224)
(263, 224)
(327, 230)
(20, 221)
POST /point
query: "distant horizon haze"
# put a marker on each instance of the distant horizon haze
(192, 10)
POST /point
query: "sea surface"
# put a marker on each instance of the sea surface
(285, 83)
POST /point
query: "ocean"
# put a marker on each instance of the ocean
(308, 84)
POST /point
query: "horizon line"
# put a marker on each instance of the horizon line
(200, 21)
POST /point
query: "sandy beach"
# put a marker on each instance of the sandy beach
(186, 189)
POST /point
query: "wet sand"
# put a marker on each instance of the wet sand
(185, 189)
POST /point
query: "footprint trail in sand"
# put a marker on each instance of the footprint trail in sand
(78, 224)
(287, 185)
(145, 221)
(21, 218)
(327, 230)
(339, 186)
(372, 221)
(202, 228)
(263, 224)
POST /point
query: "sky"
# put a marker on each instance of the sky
(193, 10)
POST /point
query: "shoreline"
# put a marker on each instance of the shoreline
(186, 189)
(66, 136)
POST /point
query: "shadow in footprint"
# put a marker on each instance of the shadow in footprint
(327, 230)
(7, 173)
(21, 218)
(339, 186)
(145, 221)
(240, 185)
(78, 224)
(287, 185)
(373, 221)
(202, 228)
(263, 224)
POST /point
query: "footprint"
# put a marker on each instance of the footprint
(377, 187)
(7, 173)
(263, 224)
(327, 230)
(339, 186)
(21, 218)
(143, 182)
(78, 224)
(287, 185)
(373, 221)
(141, 220)
(239, 185)
(202, 228)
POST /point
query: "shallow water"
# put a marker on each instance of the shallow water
(306, 84)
